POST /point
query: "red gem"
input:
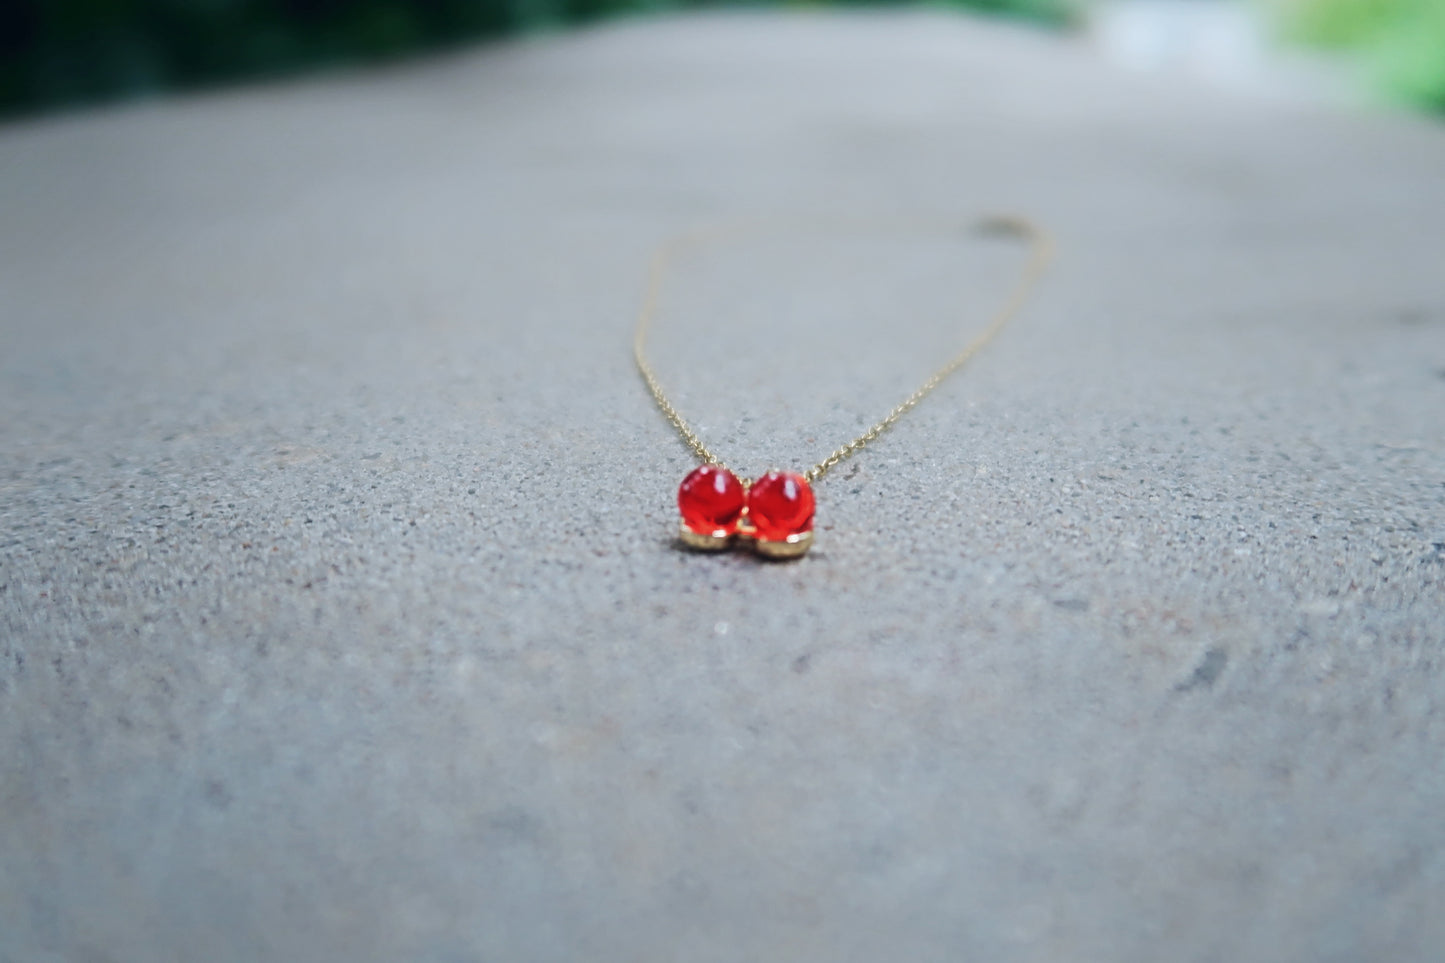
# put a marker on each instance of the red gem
(711, 500)
(781, 504)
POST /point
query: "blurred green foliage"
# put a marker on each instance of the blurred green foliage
(1401, 41)
(56, 52)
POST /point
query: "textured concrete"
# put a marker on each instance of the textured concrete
(339, 618)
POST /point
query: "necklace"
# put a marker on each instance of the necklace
(774, 513)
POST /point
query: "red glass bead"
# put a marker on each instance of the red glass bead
(781, 504)
(711, 500)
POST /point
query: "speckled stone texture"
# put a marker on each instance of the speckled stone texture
(339, 613)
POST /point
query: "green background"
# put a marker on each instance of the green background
(71, 51)
(62, 52)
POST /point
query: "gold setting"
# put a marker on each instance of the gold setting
(794, 546)
(704, 541)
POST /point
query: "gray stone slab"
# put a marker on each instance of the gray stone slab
(339, 617)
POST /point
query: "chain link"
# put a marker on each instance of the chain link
(1040, 253)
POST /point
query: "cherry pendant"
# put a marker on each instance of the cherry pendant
(780, 511)
(781, 504)
(712, 501)
(774, 515)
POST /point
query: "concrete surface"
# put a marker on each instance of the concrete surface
(339, 618)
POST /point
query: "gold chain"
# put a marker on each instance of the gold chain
(1040, 252)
